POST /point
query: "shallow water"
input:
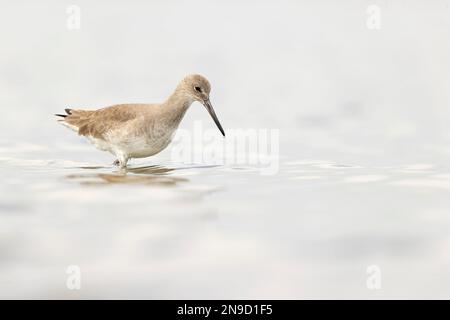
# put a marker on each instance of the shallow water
(178, 230)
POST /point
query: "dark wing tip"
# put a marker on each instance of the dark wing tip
(68, 111)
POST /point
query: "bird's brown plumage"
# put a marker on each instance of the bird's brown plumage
(139, 130)
(96, 123)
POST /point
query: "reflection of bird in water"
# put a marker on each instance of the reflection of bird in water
(140, 130)
(151, 175)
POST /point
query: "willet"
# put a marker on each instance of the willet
(139, 130)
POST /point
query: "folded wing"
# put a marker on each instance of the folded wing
(96, 123)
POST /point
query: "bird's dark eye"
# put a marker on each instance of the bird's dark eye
(198, 89)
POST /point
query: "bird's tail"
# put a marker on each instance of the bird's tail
(75, 119)
(68, 113)
(69, 120)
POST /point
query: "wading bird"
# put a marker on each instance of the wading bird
(139, 130)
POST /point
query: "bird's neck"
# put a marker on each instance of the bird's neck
(176, 106)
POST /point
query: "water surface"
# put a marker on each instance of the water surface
(176, 230)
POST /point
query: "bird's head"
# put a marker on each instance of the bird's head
(197, 88)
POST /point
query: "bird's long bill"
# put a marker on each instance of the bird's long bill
(210, 109)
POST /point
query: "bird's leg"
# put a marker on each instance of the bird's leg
(122, 159)
(123, 164)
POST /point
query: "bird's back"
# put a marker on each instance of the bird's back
(97, 123)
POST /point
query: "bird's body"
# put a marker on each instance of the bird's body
(127, 130)
(139, 130)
